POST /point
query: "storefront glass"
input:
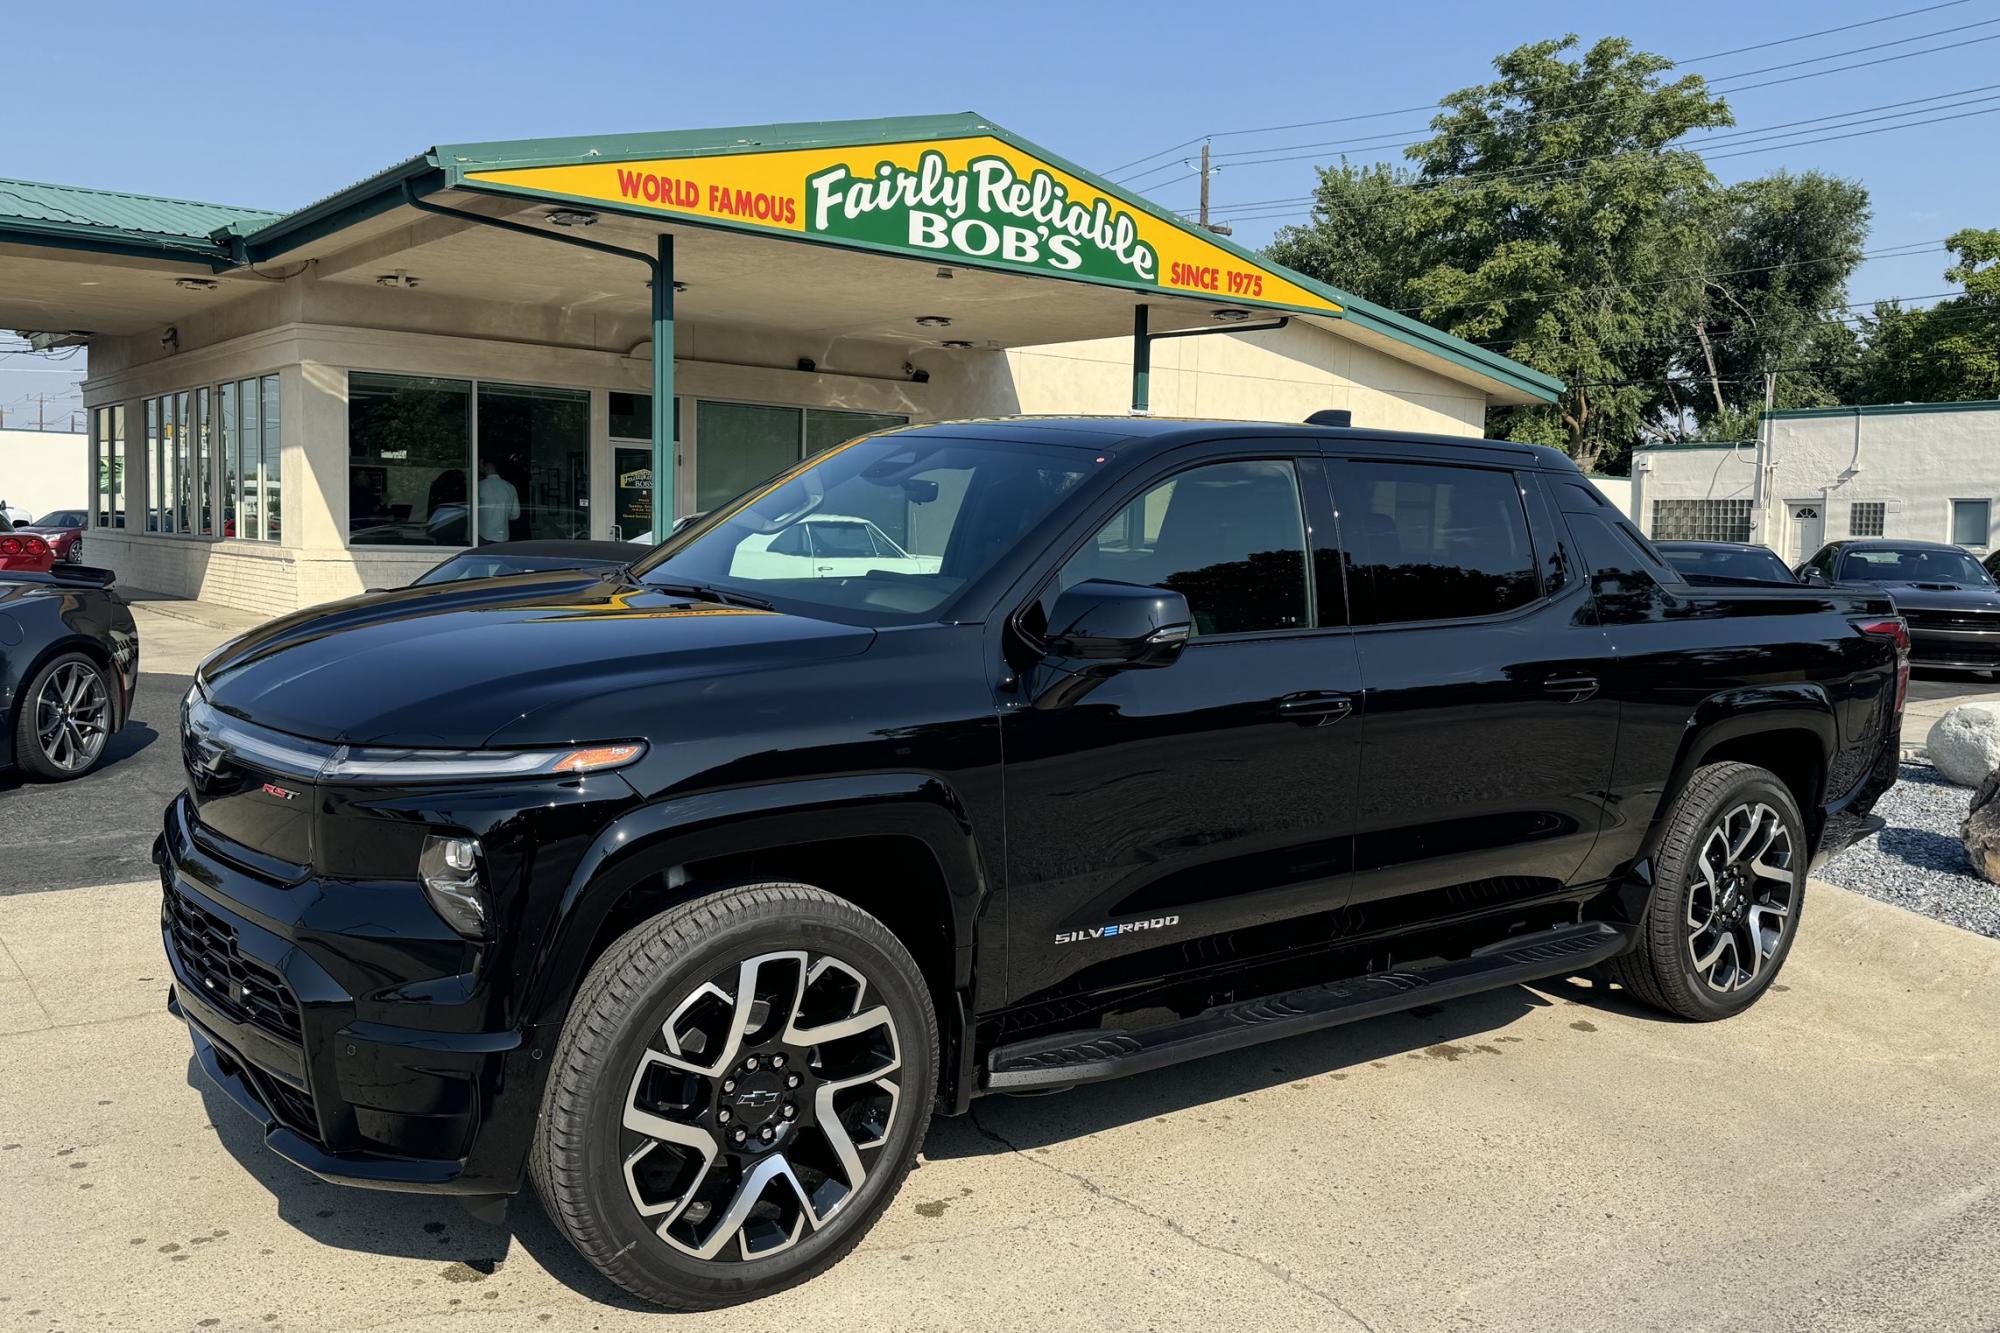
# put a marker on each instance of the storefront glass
(409, 453)
(534, 463)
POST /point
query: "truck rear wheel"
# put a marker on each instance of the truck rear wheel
(741, 1086)
(1730, 880)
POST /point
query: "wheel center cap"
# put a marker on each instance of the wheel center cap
(756, 1098)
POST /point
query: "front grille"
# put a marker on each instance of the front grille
(1955, 619)
(248, 992)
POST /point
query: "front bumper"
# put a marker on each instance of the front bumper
(1973, 649)
(348, 1021)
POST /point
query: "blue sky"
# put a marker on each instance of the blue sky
(276, 105)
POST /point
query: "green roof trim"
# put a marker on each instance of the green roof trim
(223, 236)
(1881, 409)
(117, 222)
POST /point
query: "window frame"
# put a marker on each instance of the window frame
(1314, 511)
(1951, 520)
(1538, 551)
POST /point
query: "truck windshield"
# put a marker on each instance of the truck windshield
(1911, 564)
(881, 530)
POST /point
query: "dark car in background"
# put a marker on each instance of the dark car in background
(63, 530)
(499, 559)
(1725, 562)
(1949, 600)
(69, 662)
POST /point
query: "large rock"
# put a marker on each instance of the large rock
(1965, 743)
(1981, 830)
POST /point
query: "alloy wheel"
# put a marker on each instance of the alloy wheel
(72, 716)
(757, 1111)
(1740, 904)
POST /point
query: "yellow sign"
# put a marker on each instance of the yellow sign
(977, 199)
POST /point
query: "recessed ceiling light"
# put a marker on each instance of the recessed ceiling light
(1231, 315)
(397, 279)
(196, 284)
(955, 344)
(572, 217)
(946, 274)
(934, 321)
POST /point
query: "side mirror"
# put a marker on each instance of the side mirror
(1812, 577)
(1099, 628)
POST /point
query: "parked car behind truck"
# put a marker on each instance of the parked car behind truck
(691, 892)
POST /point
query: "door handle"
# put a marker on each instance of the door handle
(1315, 708)
(1575, 689)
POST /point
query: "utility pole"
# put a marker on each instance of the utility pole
(41, 411)
(1204, 185)
(1219, 228)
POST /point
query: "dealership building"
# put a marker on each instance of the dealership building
(1913, 471)
(536, 338)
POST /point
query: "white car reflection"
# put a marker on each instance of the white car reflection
(825, 546)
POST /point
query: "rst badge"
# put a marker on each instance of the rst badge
(1116, 928)
(282, 793)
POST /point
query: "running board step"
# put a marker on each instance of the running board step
(1088, 1057)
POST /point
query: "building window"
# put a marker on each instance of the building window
(437, 462)
(107, 453)
(1701, 521)
(249, 441)
(738, 445)
(1865, 518)
(1971, 522)
(409, 445)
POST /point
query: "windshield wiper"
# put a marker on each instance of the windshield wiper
(709, 593)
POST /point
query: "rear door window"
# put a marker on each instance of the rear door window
(1430, 542)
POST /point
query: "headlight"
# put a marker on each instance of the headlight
(450, 869)
(384, 764)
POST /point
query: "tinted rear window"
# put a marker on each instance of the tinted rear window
(1424, 542)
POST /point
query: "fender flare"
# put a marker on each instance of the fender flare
(651, 838)
(1734, 714)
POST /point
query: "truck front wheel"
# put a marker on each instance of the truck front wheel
(1730, 880)
(741, 1086)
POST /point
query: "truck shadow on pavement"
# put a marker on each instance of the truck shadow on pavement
(469, 1251)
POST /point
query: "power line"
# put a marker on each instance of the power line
(1239, 158)
(1523, 174)
(1823, 32)
(1431, 106)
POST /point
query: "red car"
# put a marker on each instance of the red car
(25, 553)
(62, 529)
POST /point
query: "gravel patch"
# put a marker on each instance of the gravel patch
(1917, 861)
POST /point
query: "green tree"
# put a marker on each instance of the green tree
(1550, 217)
(1949, 352)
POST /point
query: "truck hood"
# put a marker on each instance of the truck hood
(452, 665)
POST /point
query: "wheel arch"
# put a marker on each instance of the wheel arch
(899, 846)
(67, 642)
(1788, 730)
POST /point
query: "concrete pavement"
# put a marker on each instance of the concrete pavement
(1530, 1159)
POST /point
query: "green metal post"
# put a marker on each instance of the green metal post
(1142, 363)
(664, 416)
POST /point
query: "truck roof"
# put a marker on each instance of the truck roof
(1127, 434)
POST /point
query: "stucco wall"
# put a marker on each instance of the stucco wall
(43, 470)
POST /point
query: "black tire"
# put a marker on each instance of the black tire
(91, 729)
(656, 974)
(1663, 967)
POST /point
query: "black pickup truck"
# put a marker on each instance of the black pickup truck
(970, 758)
